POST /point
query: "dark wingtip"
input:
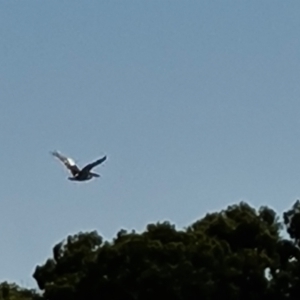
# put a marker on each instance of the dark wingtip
(54, 153)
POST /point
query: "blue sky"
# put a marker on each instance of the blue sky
(195, 103)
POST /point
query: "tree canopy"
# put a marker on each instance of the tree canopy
(11, 291)
(237, 253)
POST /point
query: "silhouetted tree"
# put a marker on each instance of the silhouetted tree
(11, 291)
(237, 253)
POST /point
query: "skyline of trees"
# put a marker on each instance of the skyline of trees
(240, 252)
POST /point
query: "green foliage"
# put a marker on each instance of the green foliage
(11, 291)
(237, 253)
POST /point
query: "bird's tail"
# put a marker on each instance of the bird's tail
(95, 174)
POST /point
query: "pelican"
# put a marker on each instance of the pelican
(78, 175)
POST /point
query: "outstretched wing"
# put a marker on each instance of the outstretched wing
(90, 166)
(68, 162)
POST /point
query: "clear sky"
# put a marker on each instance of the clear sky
(195, 103)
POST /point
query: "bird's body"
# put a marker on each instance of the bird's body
(79, 174)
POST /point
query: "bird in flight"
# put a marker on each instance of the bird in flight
(78, 174)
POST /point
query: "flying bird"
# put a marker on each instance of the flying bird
(79, 174)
